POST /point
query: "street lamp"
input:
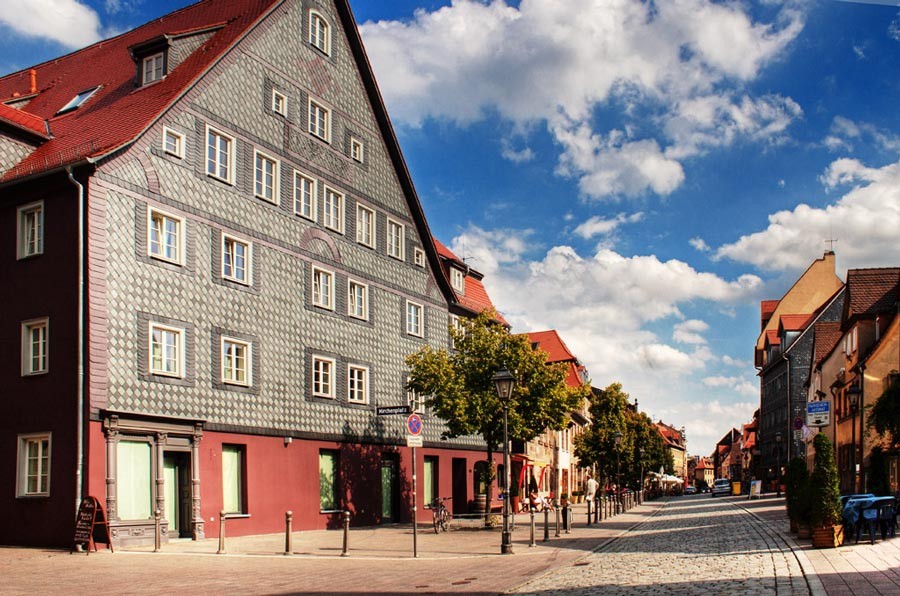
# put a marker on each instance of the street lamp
(778, 464)
(853, 397)
(504, 381)
(641, 452)
(617, 438)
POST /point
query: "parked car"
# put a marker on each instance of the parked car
(722, 486)
(690, 490)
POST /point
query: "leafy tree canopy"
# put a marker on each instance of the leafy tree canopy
(884, 417)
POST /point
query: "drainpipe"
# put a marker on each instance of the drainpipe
(79, 390)
(790, 433)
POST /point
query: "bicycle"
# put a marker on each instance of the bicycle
(440, 515)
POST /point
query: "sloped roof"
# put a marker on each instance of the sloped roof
(558, 351)
(872, 291)
(766, 309)
(827, 336)
(475, 297)
(23, 121)
(796, 322)
(119, 111)
(772, 338)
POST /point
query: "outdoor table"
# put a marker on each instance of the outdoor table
(868, 510)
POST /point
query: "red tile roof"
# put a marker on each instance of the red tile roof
(119, 111)
(766, 308)
(772, 338)
(827, 336)
(23, 121)
(794, 322)
(872, 291)
(475, 297)
(558, 351)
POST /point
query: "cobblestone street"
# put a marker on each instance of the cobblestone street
(694, 545)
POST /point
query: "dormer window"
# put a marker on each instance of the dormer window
(153, 68)
(457, 279)
(79, 99)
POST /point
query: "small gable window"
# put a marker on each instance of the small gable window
(279, 103)
(79, 99)
(319, 35)
(153, 68)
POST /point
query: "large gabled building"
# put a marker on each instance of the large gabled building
(216, 268)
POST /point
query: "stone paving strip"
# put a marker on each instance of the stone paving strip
(691, 546)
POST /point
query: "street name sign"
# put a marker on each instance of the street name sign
(818, 413)
(391, 410)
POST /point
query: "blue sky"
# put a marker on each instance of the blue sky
(638, 177)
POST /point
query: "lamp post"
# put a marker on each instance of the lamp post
(617, 438)
(504, 381)
(853, 397)
(778, 464)
(641, 489)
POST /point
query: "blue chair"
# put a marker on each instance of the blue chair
(887, 517)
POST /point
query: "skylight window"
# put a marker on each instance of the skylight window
(79, 99)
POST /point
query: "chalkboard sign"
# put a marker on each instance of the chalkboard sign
(91, 525)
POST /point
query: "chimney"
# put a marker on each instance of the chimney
(33, 73)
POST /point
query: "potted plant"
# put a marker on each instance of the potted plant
(797, 497)
(825, 497)
(576, 494)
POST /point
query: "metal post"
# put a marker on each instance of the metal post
(589, 512)
(414, 500)
(546, 524)
(568, 511)
(221, 550)
(557, 521)
(346, 548)
(288, 538)
(598, 515)
(505, 538)
(157, 538)
(531, 509)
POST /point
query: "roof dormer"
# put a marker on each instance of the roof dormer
(151, 58)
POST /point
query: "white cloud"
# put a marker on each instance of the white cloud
(699, 244)
(679, 63)
(864, 221)
(689, 332)
(736, 362)
(844, 132)
(737, 384)
(515, 155)
(596, 225)
(67, 22)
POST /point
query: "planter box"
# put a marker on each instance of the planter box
(829, 537)
(804, 531)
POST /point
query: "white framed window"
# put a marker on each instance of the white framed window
(357, 384)
(166, 350)
(333, 210)
(219, 155)
(173, 142)
(357, 300)
(365, 226)
(323, 288)
(356, 149)
(323, 376)
(419, 257)
(319, 32)
(457, 279)
(266, 174)
(305, 194)
(319, 120)
(237, 362)
(153, 68)
(415, 402)
(34, 465)
(853, 340)
(414, 321)
(236, 259)
(395, 239)
(35, 346)
(279, 102)
(165, 237)
(30, 230)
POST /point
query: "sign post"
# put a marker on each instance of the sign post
(413, 440)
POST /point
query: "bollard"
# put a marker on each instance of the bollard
(589, 512)
(221, 550)
(569, 519)
(531, 509)
(157, 538)
(598, 515)
(557, 521)
(288, 538)
(346, 534)
(546, 524)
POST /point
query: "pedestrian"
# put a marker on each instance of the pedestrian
(590, 489)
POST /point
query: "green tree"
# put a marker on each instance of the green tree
(825, 492)
(596, 446)
(460, 389)
(884, 417)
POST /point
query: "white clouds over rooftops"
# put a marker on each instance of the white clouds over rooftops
(597, 226)
(67, 22)
(681, 61)
(864, 222)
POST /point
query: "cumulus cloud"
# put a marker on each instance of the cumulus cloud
(67, 22)
(738, 384)
(699, 244)
(676, 64)
(597, 226)
(689, 332)
(864, 221)
(844, 132)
